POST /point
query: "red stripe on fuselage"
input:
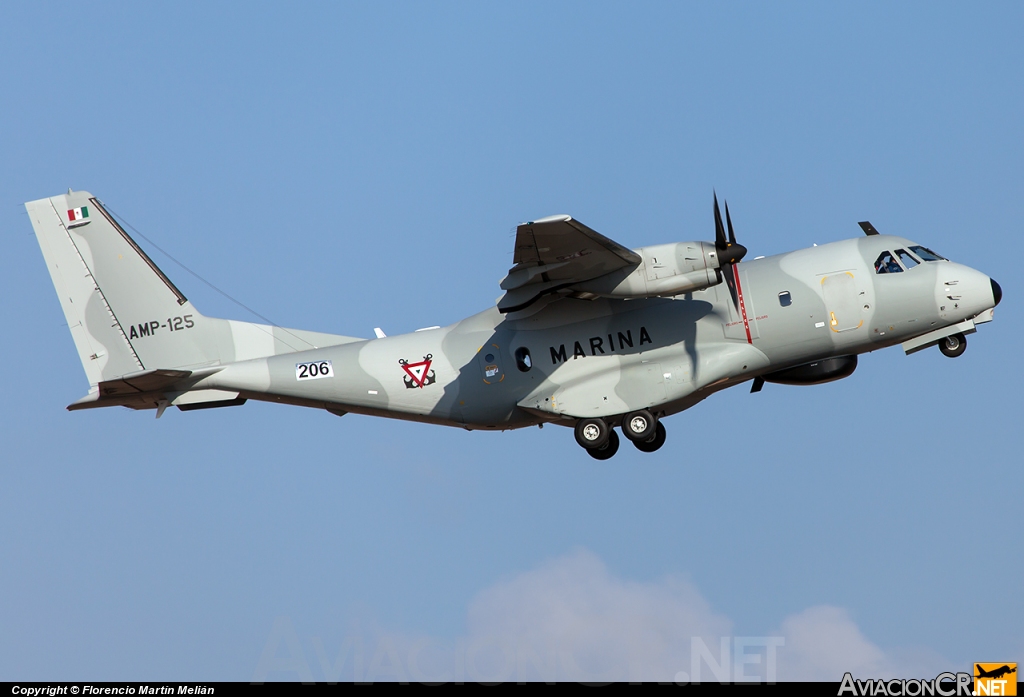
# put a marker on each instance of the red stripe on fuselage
(743, 307)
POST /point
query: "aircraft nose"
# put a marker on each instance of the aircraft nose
(997, 292)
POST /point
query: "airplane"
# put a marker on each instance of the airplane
(589, 334)
(995, 672)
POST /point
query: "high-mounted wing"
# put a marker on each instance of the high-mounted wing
(555, 253)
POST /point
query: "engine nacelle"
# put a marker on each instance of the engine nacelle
(815, 373)
(666, 270)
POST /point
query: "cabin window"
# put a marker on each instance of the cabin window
(908, 260)
(886, 263)
(926, 254)
(523, 360)
(785, 299)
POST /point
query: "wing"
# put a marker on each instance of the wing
(556, 253)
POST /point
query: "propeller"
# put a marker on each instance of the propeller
(729, 250)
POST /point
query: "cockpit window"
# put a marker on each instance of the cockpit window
(926, 254)
(908, 260)
(886, 263)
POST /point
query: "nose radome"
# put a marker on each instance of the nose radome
(997, 292)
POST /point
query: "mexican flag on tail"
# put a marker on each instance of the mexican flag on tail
(78, 213)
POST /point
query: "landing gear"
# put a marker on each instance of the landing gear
(608, 449)
(656, 441)
(592, 433)
(602, 442)
(953, 346)
(639, 425)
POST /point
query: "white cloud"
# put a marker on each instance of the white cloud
(823, 642)
(590, 625)
(572, 619)
(583, 623)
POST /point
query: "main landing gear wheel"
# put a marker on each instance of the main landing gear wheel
(592, 433)
(606, 450)
(655, 442)
(639, 426)
(953, 346)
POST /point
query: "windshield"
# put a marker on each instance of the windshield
(908, 261)
(886, 263)
(926, 254)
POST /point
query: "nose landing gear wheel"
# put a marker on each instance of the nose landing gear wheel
(655, 442)
(953, 346)
(592, 433)
(639, 426)
(606, 450)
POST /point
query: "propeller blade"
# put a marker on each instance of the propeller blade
(730, 282)
(729, 250)
(720, 241)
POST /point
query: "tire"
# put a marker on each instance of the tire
(656, 441)
(639, 425)
(953, 346)
(608, 449)
(592, 433)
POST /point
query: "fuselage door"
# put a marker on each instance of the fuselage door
(843, 301)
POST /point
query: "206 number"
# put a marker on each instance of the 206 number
(313, 370)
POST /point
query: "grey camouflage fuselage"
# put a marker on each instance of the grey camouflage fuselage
(559, 359)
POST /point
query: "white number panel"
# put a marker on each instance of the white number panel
(313, 370)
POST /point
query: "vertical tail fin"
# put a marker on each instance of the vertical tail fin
(125, 315)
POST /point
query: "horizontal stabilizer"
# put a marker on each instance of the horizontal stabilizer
(156, 389)
(145, 381)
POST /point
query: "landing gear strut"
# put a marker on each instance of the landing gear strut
(953, 346)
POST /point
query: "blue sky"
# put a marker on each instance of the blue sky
(339, 167)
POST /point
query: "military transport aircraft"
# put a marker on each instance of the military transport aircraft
(588, 334)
